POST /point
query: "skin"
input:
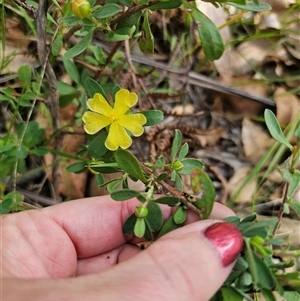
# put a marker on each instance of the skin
(77, 251)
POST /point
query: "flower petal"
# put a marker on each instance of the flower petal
(133, 123)
(99, 105)
(117, 137)
(124, 100)
(94, 122)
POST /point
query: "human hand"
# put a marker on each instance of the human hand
(77, 251)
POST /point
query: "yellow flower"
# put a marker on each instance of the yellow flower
(117, 117)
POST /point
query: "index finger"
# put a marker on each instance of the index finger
(95, 224)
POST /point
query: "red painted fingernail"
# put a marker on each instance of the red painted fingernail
(227, 240)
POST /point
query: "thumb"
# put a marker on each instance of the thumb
(190, 263)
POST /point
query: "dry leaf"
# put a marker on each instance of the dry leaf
(255, 140)
(236, 181)
(288, 105)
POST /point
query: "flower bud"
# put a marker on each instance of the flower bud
(141, 211)
(80, 8)
(177, 165)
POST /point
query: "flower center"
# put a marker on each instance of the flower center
(113, 115)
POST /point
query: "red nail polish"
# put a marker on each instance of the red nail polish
(227, 240)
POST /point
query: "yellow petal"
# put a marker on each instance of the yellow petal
(133, 123)
(117, 137)
(99, 105)
(94, 122)
(124, 100)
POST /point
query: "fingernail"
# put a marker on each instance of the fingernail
(227, 240)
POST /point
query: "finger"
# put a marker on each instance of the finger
(190, 263)
(95, 224)
(110, 258)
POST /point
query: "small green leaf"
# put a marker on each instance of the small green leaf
(161, 177)
(33, 134)
(166, 5)
(5, 205)
(180, 215)
(291, 296)
(92, 87)
(24, 73)
(139, 227)
(201, 181)
(97, 148)
(160, 162)
(189, 164)
(124, 194)
(154, 218)
(81, 46)
(295, 206)
(211, 38)
(183, 151)
(40, 151)
(297, 129)
(251, 6)
(275, 129)
(229, 294)
(168, 226)
(120, 34)
(106, 11)
(130, 164)
(146, 41)
(128, 226)
(130, 21)
(57, 45)
(294, 183)
(114, 185)
(153, 117)
(176, 144)
(72, 71)
(168, 200)
(77, 167)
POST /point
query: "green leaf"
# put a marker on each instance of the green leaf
(168, 200)
(130, 21)
(180, 215)
(275, 129)
(107, 11)
(5, 205)
(154, 218)
(72, 71)
(153, 117)
(92, 87)
(295, 206)
(33, 134)
(139, 227)
(291, 296)
(166, 5)
(183, 151)
(201, 182)
(114, 185)
(160, 162)
(168, 226)
(211, 39)
(124, 194)
(24, 73)
(251, 6)
(40, 151)
(97, 148)
(120, 34)
(129, 224)
(57, 45)
(146, 41)
(66, 89)
(229, 294)
(130, 164)
(189, 164)
(81, 46)
(77, 167)
(294, 183)
(176, 145)
(268, 295)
